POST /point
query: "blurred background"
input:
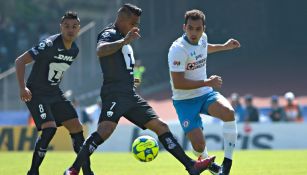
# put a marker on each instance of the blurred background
(271, 61)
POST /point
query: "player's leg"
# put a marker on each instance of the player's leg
(223, 110)
(65, 114)
(198, 142)
(144, 116)
(104, 131)
(44, 121)
(109, 117)
(191, 123)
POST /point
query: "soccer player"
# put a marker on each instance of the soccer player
(193, 92)
(118, 93)
(42, 94)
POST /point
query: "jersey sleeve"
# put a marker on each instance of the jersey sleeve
(40, 49)
(177, 59)
(106, 36)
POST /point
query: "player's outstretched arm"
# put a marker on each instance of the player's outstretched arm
(20, 65)
(108, 48)
(229, 45)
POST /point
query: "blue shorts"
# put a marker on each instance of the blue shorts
(189, 110)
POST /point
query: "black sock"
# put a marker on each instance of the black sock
(40, 149)
(77, 140)
(87, 149)
(227, 163)
(172, 146)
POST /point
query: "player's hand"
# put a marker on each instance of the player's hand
(132, 35)
(25, 95)
(137, 82)
(215, 81)
(232, 44)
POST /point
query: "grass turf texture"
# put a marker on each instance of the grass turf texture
(260, 162)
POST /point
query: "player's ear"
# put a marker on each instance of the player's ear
(183, 27)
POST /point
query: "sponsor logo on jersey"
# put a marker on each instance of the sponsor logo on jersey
(64, 57)
(176, 63)
(195, 65)
(49, 43)
(193, 53)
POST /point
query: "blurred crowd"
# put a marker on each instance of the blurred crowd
(249, 112)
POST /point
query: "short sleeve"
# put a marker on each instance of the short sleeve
(40, 49)
(177, 59)
(106, 36)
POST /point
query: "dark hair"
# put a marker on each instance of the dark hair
(70, 15)
(194, 15)
(130, 8)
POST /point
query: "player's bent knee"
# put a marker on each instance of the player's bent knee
(229, 115)
(157, 126)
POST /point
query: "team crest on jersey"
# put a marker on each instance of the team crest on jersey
(110, 113)
(43, 116)
(49, 43)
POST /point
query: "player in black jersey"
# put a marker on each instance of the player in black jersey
(118, 94)
(42, 94)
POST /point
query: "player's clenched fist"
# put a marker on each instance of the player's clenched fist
(232, 44)
(215, 81)
(132, 35)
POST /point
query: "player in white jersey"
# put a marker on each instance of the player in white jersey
(193, 92)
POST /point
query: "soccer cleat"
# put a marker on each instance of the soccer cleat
(88, 172)
(71, 171)
(201, 165)
(214, 169)
(32, 173)
(91, 173)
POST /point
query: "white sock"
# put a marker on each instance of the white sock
(203, 154)
(230, 137)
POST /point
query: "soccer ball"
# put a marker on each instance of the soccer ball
(145, 148)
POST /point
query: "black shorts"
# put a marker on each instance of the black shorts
(51, 108)
(133, 107)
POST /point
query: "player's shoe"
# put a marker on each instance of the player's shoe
(201, 165)
(226, 166)
(71, 171)
(32, 173)
(214, 168)
(91, 173)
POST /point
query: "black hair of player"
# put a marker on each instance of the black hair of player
(194, 15)
(70, 15)
(130, 8)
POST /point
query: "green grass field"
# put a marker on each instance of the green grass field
(246, 163)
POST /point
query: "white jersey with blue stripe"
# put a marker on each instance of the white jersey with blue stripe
(190, 59)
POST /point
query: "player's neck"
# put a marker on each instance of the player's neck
(67, 44)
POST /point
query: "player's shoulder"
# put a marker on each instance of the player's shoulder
(178, 44)
(109, 32)
(48, 42)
